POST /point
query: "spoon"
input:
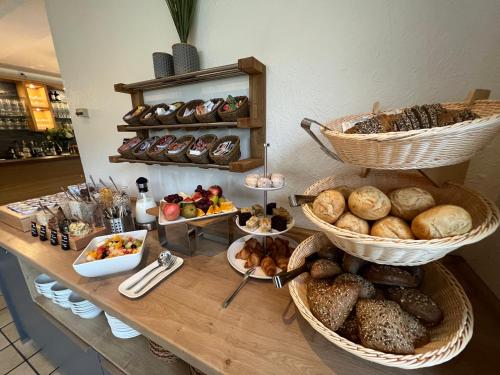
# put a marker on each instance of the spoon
(164, 259)
(151, 279)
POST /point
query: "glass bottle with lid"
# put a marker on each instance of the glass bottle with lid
(143, 203)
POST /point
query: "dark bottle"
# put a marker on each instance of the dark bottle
(58, 148)
(11, 153)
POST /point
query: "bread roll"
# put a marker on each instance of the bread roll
(369, 203)
(353, 223)
(392, 227)
(409, 202)
(345, 190)
(329, 205)
(445, 220)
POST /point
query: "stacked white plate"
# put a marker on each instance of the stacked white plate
(43, 285)
(120, 329)
(83, 308)
(60, 295)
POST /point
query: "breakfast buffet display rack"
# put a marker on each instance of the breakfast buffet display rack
(255, 123)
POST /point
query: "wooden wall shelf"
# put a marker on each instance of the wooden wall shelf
(239, 166)
(256, 122)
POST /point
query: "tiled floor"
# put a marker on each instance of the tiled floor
(16, 357)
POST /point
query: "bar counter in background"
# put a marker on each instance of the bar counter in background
(28, 178)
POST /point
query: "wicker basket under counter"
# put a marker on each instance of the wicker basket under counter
(233, 155)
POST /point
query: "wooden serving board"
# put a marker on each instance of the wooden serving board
(15, 219)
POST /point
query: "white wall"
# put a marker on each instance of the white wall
(324, 59)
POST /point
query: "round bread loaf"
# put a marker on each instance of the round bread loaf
(353, 223)
(392, 227)
(369, 203)
(329, 205)
(409, 202)
(445, 220)
(345, 190)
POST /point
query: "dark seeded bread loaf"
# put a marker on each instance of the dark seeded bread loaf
(389, 275)
(383, 326)
(349, 329)
(416, 303)
(324, 269)
(416, 330)
(367, 289)
(422, 117)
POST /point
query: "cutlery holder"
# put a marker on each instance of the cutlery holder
(120, 224)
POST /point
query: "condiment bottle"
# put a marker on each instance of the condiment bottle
(144, 202)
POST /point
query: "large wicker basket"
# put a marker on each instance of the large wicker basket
(426, 148)
(448, 339)
(485, 219)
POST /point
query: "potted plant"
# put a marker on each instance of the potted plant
(185, 55)
(61, 136)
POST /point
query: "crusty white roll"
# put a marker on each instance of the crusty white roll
(369, 203)
(329, 205)
(392, 227)
(445, 220)
(410, 201)
(353, 223)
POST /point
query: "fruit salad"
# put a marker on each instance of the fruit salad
(201, 203)
(114, 247)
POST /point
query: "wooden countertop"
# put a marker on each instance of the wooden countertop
(260, 332)
(43, 159)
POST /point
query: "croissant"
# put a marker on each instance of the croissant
(253, 260)
(268, 266)
(243, 253)
(282, 262)
(252, 243)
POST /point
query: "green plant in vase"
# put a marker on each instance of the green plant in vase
(61, 136)
(186, 58)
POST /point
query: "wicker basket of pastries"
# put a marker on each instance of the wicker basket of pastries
(198, 152)
(186, 113)
(398, 218)
(176, 150)
(127, 148)
(207, 111)
(225, 150)
(149, 116)
(168, 115)
(233, 108)
(133, 117)
(422, 136)
(158, 150)
(141, 151)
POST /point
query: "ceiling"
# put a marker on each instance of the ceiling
(26, 38)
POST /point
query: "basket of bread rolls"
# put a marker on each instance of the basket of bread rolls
(398, 218)
(406, 317)
(421, 136)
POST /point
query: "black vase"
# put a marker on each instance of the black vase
(186, 58)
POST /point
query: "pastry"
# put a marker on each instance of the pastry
(332, 305)
(243, 218)
(353, 223)
(441, 221)
(243, 253)
(382, 326)
(367, 290)
(265, 225)
(268, 266)
(246, 209)
(392, 227)
(351, 263)
(324, 269)
(389, 275)
(264, 182)
(251, 180)
(369, 203)
(257, 210)
(278, 180)
(409, 202)
(280, 211)
(269, 208)
(349, 329)
(329, 205)
(416, 303)
(279, 223)
(253, 223)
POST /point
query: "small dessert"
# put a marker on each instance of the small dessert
(251, 180)
(279, 223)
(264, 182)
(243, 218)
(269, 208)
(247, 209)
(280, 211)
(253, 223)
(278, 180)
(265, 225)
(258, 210)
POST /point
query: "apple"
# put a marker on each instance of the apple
(171, 211)
(189, 210)
(215, 190)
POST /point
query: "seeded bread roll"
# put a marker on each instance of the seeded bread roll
(441, 221)
(324, 269)
(329, 205)
(367, 289)
(416, 303)
(390, 275)
(331, 306)
(353, 223)
(349, 329)
(417, 332)
(369, 203)
(392, 227)
(382, 326)
(409, 202)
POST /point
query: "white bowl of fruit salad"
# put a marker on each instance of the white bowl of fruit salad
(110, 254)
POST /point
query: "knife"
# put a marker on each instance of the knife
(284, 277)
(298, 200)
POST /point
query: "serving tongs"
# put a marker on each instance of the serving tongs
(297, 200)
(282, 278)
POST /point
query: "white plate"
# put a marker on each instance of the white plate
(156, 279)
(90, 315)
(180, 220)
(265, 189)
(109, 266)
(273, 232)
(239, 264)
